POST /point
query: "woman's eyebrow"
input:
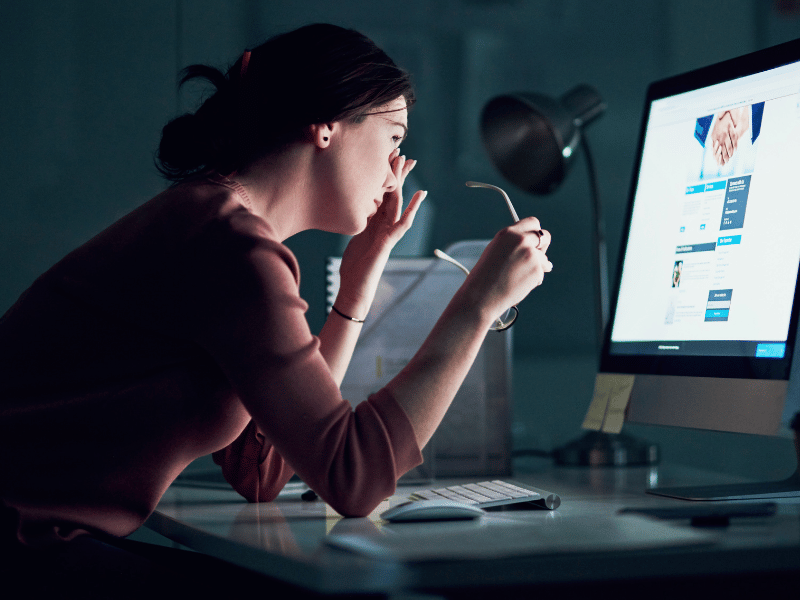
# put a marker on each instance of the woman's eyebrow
(399, 124)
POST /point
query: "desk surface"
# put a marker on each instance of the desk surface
(585, 540)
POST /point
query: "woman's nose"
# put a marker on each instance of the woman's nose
(390, 185)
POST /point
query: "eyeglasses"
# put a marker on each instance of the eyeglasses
(508, 318)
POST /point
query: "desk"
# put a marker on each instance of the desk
(584, 542)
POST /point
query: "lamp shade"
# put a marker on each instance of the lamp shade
(531, 138)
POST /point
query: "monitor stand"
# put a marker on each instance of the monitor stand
(600, 449)
(786, 488)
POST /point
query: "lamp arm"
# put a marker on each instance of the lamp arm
(599, 250)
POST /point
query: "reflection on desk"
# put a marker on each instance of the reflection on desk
(501, 535)
(308, 544)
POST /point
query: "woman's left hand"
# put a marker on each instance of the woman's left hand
(366, 254)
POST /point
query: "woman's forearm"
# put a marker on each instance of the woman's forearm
(427, 385)
(513, 263)
(338, 339)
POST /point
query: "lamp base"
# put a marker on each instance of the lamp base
(600, 449)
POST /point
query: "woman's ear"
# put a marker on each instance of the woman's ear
(321, 134)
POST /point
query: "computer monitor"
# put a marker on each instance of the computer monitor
(706, 310)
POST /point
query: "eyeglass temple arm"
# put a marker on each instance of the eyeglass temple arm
(453, 261)
(489, 186)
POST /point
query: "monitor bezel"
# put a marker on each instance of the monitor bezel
(742, 367)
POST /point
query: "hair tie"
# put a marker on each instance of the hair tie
(245, 62)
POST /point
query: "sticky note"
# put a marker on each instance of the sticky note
(597, 408)
(620, 394)
(607, 409)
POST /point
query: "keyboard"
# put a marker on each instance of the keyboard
(486, 494)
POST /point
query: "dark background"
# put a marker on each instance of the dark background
(86, 86)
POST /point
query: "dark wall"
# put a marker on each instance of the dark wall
(86, 85)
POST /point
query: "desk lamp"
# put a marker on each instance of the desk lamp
(532, 140)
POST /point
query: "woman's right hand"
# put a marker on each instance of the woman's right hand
(513, 263)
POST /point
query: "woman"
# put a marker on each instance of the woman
(179, 331)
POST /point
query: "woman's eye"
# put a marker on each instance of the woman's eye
(397, 139)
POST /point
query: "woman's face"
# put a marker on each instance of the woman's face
(361, 168)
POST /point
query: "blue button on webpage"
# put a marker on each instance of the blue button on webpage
(717, 315)
(729, 239)
(770, 350)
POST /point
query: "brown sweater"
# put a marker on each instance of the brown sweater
(177, 332)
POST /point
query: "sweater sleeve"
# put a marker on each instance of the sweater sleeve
(255, 328)
(252, 466)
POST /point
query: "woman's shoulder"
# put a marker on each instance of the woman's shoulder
(219, 223)
(205, 206)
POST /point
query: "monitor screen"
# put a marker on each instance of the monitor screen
(706, 311)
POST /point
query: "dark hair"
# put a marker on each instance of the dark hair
(316, 74)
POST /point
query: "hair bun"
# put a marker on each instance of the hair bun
(182, 149)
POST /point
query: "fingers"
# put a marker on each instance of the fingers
(393, 199)
(734, 133)
(409, 164)
(532, 226)
(397, 163)
(407, 219)
(544, 240)
(728, 145)
(537, 240)
(401, 166)
(725, 136)
(723, 149)
(528, 224)
(514, 263)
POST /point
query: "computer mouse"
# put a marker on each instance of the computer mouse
(431, 510)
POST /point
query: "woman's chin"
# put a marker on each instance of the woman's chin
(342, 227)
(359, 227)
(357, 231)
(351, 228)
